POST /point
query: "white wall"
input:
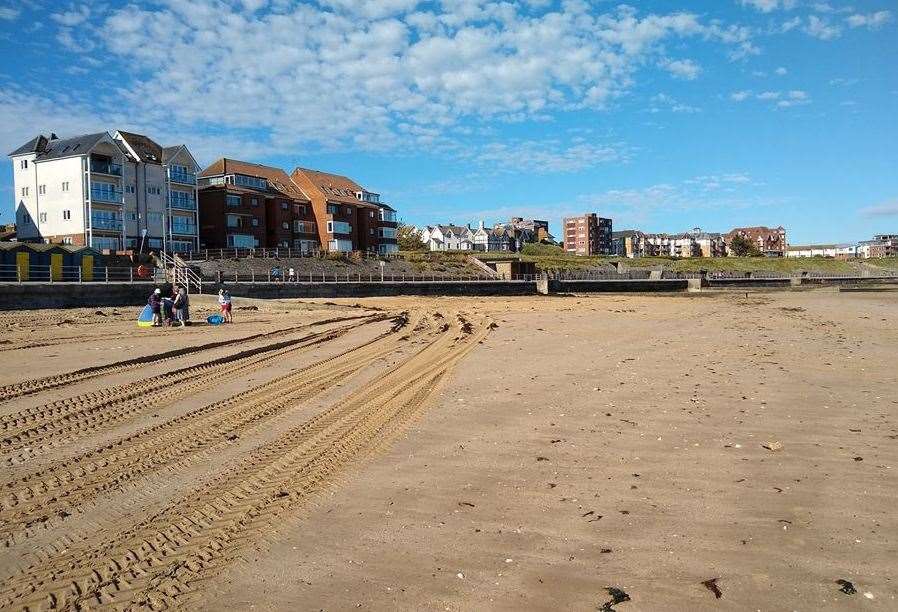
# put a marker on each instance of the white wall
(25, 178)
(53, 173)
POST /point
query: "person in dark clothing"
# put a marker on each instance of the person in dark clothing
(181, 304)
(155, 303)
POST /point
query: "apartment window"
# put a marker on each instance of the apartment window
(254, 202)
(255, 222)
(155, 242)
(43, 217)
(333, 209)
(24, 192)
(130, 189)
(285, 225)
(154, 217)
(67, 240)
(154, 190)
(65, 186)
(23, 164)
(66, 215)
(299, 209)
(338, 227)
(132, 216)
(42, 189)
(233, 200)
(347, 211)
(371, 231)
(371, 213)
(285, 206)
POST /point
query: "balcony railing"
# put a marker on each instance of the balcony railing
(185, 178)
(187, 230)
(105, 223)
(104, 167)
(106, 195)
(182, 203)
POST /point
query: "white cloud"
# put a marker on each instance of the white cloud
(8, 13)
(781, 71)
(661, 102)
(822, 29)
(888, 209)
(769, 95)
(796, 97)
(740, 96)
(872, 21)
(766, 6)
(532, 156)
(683, 69)
(76, 16)
(789, 25)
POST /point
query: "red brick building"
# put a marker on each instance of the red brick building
(587, 235)
(770, 241)
(245, 205)
(350, 218)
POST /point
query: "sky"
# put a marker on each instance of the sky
(663, 116)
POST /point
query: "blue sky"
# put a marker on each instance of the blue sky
(712, 114)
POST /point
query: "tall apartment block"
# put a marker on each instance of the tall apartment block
(107, 191)
(350, 218)
(588, 234)
(246, 206)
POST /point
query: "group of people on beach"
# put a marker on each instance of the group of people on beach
(170, 310)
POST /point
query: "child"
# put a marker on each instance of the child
(156, 306)
(224, 300)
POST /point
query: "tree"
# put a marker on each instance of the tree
(740, 246)
(408, 238)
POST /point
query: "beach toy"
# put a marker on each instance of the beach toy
(215, 319)
(145, 319)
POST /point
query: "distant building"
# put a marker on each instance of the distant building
(106, 191)
(349, 217)
(837, 251)
(539, 230)
(587, 235)
(8, 232)
(246, 206)
(448, 237)
(771, 242)
(882, 245)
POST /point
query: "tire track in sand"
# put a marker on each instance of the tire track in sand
(29, 387)
(48, 425)
(157, 562)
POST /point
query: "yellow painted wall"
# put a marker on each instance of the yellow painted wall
(87, 267)
(56, 266)
(22, 261)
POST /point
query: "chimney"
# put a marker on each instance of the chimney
(481, 224)
(53, 136)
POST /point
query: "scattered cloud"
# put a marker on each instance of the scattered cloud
(546, 156)
(661, 102)
(781, 71)
(766, 6)
(72, 18)
(821, 28)
(872, 21)
(887, 209)
(683, 69)
(782, 99)
(740, 96)
(8, 13)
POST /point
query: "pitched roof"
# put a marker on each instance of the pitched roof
(78, 145)
(335, 187)
(277, 178)
(34, 145)
(146, 148)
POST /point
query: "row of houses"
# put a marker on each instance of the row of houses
(882, 245)
(770, 242)
(123, 191)
(509, 237)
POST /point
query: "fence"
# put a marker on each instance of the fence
(276, 253)
(12, 273)
(253, 278)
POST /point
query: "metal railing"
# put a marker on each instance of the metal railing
(185, 178)
(179, 273)
(106, 195)
(182, 203)
(252, 277)
(106, 223)
(12, 273)
(183, 229)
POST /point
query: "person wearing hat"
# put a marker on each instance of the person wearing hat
(156, 306)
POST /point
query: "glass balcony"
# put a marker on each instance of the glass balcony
(388, 215)
(188, 229)
(178, 176)
(181, 201)
(106, 195)
(106, 223)
(105, 167)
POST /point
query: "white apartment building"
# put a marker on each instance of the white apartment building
(105, 191)
(822, 250)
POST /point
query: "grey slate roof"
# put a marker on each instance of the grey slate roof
(34, 145)
(78, 145)
(169, 152)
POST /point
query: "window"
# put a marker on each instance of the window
(285, 206)
(254, 202)
(342, 246)
(347, 211)
(43, 217)
(130, 189)
(371, 213)
(66, 215)
(155, 242)
(233, 200)
(255, 222)
(234, 221)
(67, 240)
(154, 217)
(333, 209)
(388, 232)
(26, 218)
(338, 227)
(23, 164)
(154, 190)
(241, 241)
(388, 215)
(42, 189)
(300, 209)
(371, 231)
(65, 186)
(285, 225)
(250, 181)
(24, 192)
(132, 216)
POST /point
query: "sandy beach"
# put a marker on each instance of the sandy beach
(704, 452)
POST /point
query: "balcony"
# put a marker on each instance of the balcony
(338, 227)
(105, 167)
(388, 215)
(304, 227)
(113, 196)
(183, 229)
(185, 178)
(181, 201)
(106, 223)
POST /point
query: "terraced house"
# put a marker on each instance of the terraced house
(105, 191)
(350, 218)
(245, 205)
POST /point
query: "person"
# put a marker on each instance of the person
(292, 276)
(275, 273)
(181, 304)
(156, 306)
(168, 311)
(224, 300)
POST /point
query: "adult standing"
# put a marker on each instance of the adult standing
(155, 303)
(224, 300)
(182, 304)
